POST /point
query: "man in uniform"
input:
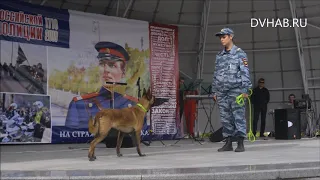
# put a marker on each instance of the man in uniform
(112, 62)
(231, 79)
(12, 111)
(39, 119)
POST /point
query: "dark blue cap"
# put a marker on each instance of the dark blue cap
(111, 51)
(225, 31)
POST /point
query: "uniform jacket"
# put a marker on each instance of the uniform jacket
(231, 71)
(82, 108)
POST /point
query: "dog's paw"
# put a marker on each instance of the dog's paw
(119, 155)
(92, 159)
(142, 155)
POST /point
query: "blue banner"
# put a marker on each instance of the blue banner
(63, 134)
(26, 23)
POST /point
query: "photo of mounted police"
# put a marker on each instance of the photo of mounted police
(25, 118)
(23, 68)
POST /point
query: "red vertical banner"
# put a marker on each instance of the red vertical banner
(164, 74)
(190, 111)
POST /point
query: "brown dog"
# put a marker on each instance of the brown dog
(126, 120)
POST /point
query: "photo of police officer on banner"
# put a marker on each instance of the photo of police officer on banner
(112, 59)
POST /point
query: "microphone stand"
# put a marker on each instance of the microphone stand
(139, 88)
(139, 96)
(112, 91)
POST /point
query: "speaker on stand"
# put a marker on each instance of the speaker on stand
(287, 124)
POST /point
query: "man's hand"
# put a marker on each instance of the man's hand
(215, 97)
(245, 95)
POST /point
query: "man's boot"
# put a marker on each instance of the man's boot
(240, 147)
(227, 146)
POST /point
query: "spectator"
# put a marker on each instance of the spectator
(11, 69)
(260, 100)
(39, 72)
(181, 95)
(291, 99)
(5, 69)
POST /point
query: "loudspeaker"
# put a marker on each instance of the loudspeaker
(216, 136)
(287, 124)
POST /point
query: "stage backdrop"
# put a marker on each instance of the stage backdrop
(82, 52)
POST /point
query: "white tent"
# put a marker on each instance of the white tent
(287, 58)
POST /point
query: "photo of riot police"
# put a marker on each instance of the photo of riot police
(23, 68)
(24, 118)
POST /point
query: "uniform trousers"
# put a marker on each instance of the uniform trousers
(232, 115)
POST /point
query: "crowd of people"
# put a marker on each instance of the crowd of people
(24, 124)
(36, 71)
(34, 74)
(6, 70)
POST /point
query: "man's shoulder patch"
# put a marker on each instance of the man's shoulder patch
(86, 96)
(245, 62)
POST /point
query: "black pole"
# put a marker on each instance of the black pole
(139, 96)
(139, 88)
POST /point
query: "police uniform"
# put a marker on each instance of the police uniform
(231, 78)
(84, 107)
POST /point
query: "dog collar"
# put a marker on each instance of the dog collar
(140, 105)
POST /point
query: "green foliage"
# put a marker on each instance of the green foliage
(74, 79)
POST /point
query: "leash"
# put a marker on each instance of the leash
(241, 101)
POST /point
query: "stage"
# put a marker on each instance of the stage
(263, 159)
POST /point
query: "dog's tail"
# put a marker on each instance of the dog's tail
(93, 125)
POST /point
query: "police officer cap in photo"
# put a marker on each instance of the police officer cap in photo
(111, 51)
(225, 31)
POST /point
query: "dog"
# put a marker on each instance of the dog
(125, 120)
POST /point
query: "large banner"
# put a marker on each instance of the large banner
(75, 66)
(164, 68)
(102, 49)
